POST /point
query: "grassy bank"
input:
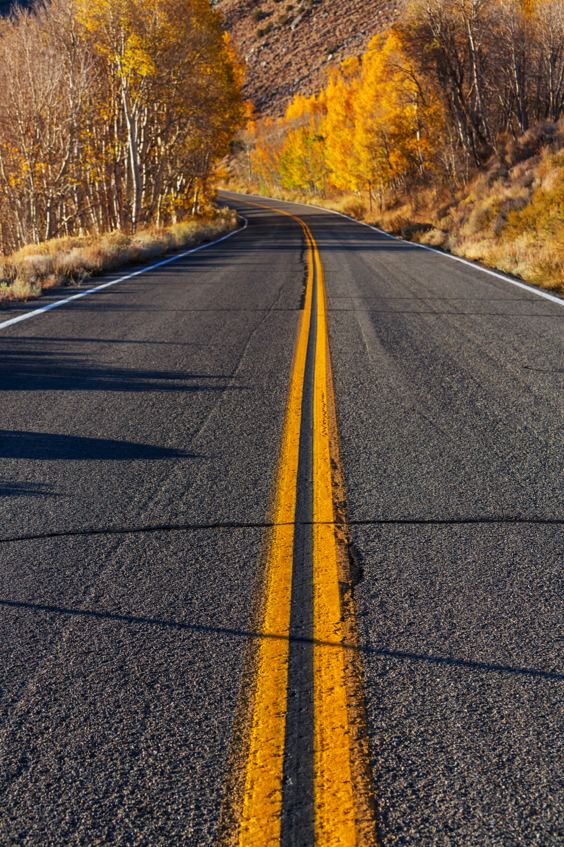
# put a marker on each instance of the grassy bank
(67, 261)
(509, 216)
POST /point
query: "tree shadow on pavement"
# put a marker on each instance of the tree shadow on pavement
(180, 625)
(52, 446)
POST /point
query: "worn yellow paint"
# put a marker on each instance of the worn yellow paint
(335, 816)
(262, 803)
(335, 822)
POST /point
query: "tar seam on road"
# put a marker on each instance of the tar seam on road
(304, 775)
(265, 525)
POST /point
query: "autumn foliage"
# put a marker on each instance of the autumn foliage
(429, 103)
(113, 115)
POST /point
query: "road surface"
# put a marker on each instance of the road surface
(142, 432)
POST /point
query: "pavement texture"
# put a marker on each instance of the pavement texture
(160, 402)
(449, 394)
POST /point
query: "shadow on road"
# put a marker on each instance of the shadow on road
(387, 654)
(43, 370)
(9, 488)
(51, 446)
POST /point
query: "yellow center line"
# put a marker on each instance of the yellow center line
(340, 755)
(335, 822)
(262, 804)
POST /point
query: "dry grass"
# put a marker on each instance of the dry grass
(514, 223)
(510, 216)
(67, 261)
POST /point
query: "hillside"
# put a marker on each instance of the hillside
(306, 38)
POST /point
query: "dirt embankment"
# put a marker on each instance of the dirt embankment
(305, 39)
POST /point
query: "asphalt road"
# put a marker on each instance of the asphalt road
(159, 403)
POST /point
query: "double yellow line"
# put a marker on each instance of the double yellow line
(344, 813)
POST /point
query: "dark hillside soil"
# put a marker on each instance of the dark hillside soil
(304, 42)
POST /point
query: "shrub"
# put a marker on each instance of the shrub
(355, 208)
(542, 218)
(434, 238)
(23, 289)
(257, 15)
(72, 260)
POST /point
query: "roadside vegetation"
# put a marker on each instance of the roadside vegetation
(72, 260)
(449, 130)
(113, 117)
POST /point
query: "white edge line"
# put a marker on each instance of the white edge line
(523, 285)
(27, 315)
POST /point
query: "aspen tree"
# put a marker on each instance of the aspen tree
(430, 99)
(338, 127)
(549, 15)
(303, 158)
(113, 114)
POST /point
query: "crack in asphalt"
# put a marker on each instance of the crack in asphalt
(265, 525)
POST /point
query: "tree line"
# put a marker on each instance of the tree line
(113, 114)
(431, 100)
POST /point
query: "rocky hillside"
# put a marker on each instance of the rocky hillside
(290, 46)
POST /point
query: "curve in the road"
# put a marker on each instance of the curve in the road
(305, 758)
